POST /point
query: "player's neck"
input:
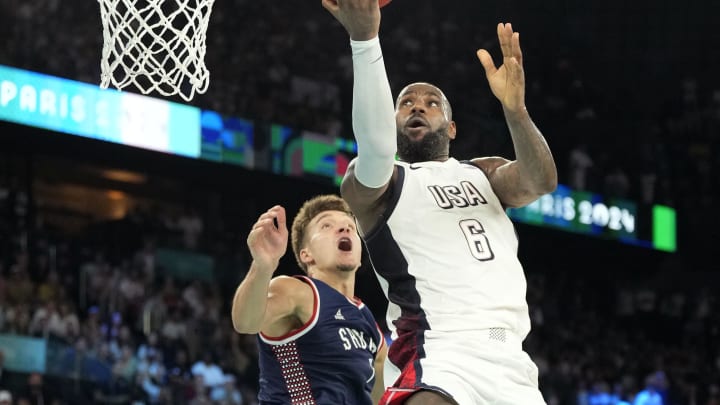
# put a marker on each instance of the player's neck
(343, 282)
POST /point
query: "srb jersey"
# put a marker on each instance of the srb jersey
(329, 360)
(446, 254)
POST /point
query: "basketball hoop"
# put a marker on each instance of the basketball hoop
(155, 45)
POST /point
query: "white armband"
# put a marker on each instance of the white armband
(373, 115)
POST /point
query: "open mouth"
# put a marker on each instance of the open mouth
(416, 122)
(345, 244)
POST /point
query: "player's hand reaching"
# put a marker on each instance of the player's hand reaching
(508, 81)
(268, 241)
(361, 18)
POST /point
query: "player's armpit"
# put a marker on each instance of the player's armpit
(366, 203)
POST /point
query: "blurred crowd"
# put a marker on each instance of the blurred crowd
(119, 327)
(121, 330)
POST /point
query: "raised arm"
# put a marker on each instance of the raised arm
(373, 111)
(262, 303)
(533, 172)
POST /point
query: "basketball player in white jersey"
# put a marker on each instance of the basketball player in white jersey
(436, 229)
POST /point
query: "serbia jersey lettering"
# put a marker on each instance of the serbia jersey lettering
(328, 361)
(446, 256)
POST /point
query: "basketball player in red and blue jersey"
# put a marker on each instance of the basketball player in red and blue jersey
(436, 230)
(318, 343)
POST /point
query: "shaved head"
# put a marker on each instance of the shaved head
(417, 86)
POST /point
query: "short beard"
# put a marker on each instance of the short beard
(433, 145)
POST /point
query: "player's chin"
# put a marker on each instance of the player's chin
(348, 266)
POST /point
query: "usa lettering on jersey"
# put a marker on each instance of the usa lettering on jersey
(457, 196)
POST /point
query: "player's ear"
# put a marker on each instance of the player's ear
(452, 130)
(306, 257)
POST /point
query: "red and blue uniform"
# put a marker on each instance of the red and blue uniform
(329, 360)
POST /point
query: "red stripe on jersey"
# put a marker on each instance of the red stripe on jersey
(304, 328)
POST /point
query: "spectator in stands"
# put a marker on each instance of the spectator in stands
(50, 288)
(174, 328)
(116, 332)
(191, 226)
(67, 327)
(152, 376)
(43, 317)
(17, 319)
(227, 393)
(201, 393)
(126, 366)
(20, 288)
(209, 370)
(36, 392)
(171, 295)
(600, 394)
(650, 395)
(180, 377)
(150, 347)
(579, 165)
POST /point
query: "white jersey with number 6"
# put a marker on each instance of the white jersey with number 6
(446, 253)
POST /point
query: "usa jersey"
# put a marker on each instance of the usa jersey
(328, 361)
(446, 254)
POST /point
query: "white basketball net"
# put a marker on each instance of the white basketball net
(155, 45)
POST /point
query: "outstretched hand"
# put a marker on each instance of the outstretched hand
(361, 18)
(507, 82)
(268, 242)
